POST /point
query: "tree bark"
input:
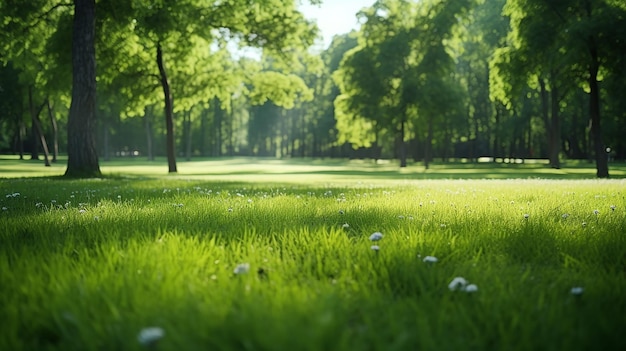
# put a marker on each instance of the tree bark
(555, 127)
(55, 133)
(37, 129)
(602, 161)
(401, 144)
(551, 121)
(148, 127)
(188, 135)
(169, 113)
(82, 158)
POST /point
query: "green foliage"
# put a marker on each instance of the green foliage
(405, 48)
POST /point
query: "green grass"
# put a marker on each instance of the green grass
(87, 264)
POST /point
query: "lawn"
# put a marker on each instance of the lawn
(243, 254)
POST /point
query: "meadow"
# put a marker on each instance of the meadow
(244, 254)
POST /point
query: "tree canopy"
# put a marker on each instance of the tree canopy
(504, 79)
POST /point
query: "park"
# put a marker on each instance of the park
(229, 175)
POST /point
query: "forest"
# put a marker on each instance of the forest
(421, 81)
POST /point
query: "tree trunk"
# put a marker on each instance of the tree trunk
(37, 129)
(217, 128)
(551, 123)
(147, 119)
(82, 157)
(188, 136)
(602, 162)
(106, 143)
(34, 143)
(203, 126)
(21, 132)
(401, 145)
(55, 133)
(555, 127)
(429, 144)
(169, 113)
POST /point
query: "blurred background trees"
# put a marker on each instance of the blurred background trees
(419, 80)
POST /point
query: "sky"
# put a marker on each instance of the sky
(335, 16)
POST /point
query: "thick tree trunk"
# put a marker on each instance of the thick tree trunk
(169, 113)
(602, 161)
(55, 133)
(82, 158)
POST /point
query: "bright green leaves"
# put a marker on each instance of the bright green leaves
(401, 70)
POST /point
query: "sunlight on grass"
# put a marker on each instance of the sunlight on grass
(315, 170)
(190, 263)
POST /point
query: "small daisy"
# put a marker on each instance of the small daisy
(242, 268)
(471, 288)
(457, 283)
(150, 336)
(430, 259)
(565, 215)
(612, 207)
(376, 236)
(345, 226)
(596, 212)
(375, 248)
(577, 290)
(526, 215)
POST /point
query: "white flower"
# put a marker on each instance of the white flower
(596, 212)
(4, 208)
(82, 211)
(375, 248)
(526, 215)
(376, 236)
(149, 336)
(471, 288)
(584, 224)
(242, 268)
(612, 207)
(430, 259)
(457, 283)
(345, 226)
(577, 290)
(565, 215)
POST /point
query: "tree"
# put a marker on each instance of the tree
(82, 157)
(553, 39)
(404, 47)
